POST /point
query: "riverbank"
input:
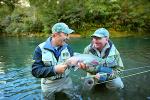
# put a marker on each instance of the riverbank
(87, 34)
(113, 34)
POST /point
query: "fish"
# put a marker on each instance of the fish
(88, 59)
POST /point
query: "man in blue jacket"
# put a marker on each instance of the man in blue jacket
(49, 65)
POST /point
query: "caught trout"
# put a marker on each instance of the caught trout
(88, 59)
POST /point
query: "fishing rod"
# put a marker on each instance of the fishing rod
(135, 74)
(92, 76)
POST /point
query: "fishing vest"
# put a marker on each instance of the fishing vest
(111, 56)
(50, 60)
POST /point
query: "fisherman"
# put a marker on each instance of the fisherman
(108, 71)
(49, 65)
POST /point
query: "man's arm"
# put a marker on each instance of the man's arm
(39, 70)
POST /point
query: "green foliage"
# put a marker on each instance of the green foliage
(22, 23)
(84, 16)
(10, 4)
(5, 23)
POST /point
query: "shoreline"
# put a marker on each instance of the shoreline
(77, 35)
(74, 35)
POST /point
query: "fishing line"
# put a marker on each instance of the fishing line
(135, 68)
(135, 74)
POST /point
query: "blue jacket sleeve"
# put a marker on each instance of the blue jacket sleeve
(39, 70)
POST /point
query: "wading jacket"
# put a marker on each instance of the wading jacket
(111, 58)
(46, 57)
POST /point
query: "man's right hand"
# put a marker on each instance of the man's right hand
(60, 68)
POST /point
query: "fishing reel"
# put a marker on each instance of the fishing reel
(88, 84)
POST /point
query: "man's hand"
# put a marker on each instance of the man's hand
(97, 76)
(101, 76)
(60, 68)
(87, 68)
(82, 65)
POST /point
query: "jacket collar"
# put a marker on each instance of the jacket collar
(49, 46)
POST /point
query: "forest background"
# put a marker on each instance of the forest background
(36, 17)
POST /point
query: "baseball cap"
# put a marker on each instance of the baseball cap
(61, 27)
(101, 32)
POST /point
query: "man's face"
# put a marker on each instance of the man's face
(99, 43)
(61, 38)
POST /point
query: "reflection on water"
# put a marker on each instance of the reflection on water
(16, 81)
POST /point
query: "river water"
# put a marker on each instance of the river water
(17, 83)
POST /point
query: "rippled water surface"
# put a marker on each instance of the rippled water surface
(17, 83)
